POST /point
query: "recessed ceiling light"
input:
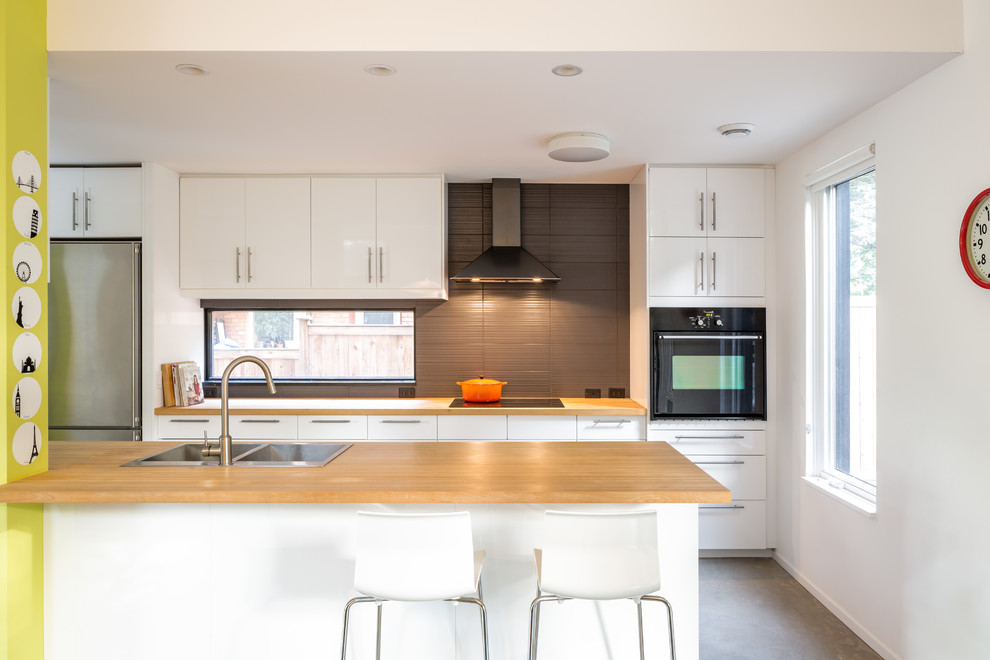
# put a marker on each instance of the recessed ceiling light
(567, 70)
(379, 69)
(736, 130)
(191, 69)
(578, 147)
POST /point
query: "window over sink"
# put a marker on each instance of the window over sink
(315, 345)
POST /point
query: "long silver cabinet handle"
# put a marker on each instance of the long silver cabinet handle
(188, 421)
(250, 276)
(713, 270)
(401, 421)
(381, 264)
(329, 421)
(611, 421)
(370, 268)
(709, 437)
(715, 335)
(259, 421)
(701, 199)
(88, 223)
(702, 507)
(75, 210)
(720, 462)
(701, 267)
(237, 263)
(713, 211)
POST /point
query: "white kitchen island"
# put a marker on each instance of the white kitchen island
(257, 563)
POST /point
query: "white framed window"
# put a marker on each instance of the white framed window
(842, 324)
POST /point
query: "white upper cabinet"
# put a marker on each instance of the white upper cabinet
(706, 229)
(695, 201)
(340, 236)
(94, 202)
(344, 233)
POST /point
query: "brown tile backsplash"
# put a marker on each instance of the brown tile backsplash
(544, 340)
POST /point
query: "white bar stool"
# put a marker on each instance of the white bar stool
(598, 556)
(416, 557)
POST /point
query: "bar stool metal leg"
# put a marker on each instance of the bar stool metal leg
(378, 636)
(670, 621)
(347, 613)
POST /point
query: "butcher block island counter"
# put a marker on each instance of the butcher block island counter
(384, 472)
(257, 563)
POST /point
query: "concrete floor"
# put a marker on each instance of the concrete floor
(752, 609)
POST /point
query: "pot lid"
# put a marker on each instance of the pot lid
(481, 380)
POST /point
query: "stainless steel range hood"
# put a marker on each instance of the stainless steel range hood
(506, 260)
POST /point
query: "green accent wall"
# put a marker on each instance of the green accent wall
(23, 198)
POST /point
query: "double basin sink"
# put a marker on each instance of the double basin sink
(264, 454)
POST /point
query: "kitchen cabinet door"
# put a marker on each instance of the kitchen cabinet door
(277, 233)
(736, 204)
(344, 249)
(735, 267)
(410, 233)
(677, 204)
(678, 266)
(95, 202)
(212, 252)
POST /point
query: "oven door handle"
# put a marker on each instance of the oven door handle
(718, 336)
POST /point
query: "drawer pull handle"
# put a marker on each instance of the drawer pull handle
(329, 421)
(188, 421)
(620, 422)
(709, 437)
(702, 507)
(720, 462)
(259, 421)
(401, 421)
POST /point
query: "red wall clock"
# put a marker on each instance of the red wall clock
(974, 240)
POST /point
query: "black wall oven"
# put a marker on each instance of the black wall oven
(708, 363)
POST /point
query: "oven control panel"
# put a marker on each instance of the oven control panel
(706, 320)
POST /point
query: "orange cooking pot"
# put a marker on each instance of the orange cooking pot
(481, 390)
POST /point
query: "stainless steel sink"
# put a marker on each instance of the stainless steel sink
(289, 454)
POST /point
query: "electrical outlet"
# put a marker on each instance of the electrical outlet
(617, 393)
(407, 392)
(593, 393)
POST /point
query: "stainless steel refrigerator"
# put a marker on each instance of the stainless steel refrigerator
(94, 340)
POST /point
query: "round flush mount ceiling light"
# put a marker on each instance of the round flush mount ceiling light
(736, 130)
(567, 70)
(191, 69)
(578, 147)
(379, 69)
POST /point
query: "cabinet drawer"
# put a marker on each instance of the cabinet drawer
(188, 426)
(471, 427)
(602, 427)
(542, 427)
(705, 441)
(402, 427)
(333, 427)
(263, 427)
(745, 476)
(741, 525)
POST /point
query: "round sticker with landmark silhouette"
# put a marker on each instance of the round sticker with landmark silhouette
(27, 216)
(26, 307)
(26, 353)
(26, 446)
(27, 398)
(26, 171)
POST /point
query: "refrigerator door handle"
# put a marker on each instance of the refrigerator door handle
(136, 336)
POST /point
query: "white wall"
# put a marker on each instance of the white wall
(510, 25)
(914, 581)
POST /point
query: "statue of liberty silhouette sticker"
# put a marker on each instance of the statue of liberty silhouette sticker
(27, 216)
(26, 307)
(26, 171)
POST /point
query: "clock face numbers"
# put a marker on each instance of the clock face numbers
(974, 240)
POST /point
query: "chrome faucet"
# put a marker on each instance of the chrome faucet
(223, 450)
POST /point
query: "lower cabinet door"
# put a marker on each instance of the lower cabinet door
(452, 428)
(745, 476)
(740, 525)
(601, 427)
(402, 427)
(333, 427)
(188, 427)
(263, 427)
(560, 428)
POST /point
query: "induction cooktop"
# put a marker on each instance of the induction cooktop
(510, 403)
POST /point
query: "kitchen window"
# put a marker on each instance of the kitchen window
(329, 345)
(842, 318)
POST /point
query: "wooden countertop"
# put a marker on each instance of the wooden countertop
(276, 406)
(383, 472)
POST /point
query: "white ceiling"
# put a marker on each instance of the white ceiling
(473, 116)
